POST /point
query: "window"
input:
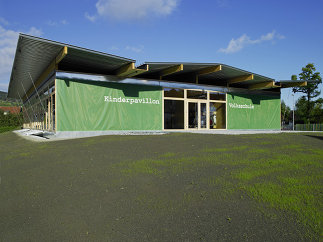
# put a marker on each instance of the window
(173, 114)
(217, 96)
(173, 92)
(193, 94)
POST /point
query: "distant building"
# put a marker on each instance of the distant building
(9, 109)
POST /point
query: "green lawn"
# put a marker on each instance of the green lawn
(163, 187)
(7, 128)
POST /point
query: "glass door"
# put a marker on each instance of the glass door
(203, 115)
(197, 115)
(193, 115)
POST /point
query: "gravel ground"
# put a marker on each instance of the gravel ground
(103, 189)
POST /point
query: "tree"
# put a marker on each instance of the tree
(311, 90)
(316, 114)
(285, 113)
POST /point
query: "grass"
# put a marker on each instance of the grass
(8, 128)
(168, 187)
(288, 178)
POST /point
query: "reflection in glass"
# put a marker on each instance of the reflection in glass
(217, 115)
(174, 114)
(192, 115)
(217, 96)
(203, 115)
(196, 94)
(173, 92)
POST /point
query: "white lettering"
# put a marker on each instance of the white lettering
(235, 105)
(131, 100)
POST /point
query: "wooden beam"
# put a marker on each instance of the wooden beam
(263, 85)
(241, 79)
(294, 84)
(138, 71)
(50, 68)
(125, 69)
(129, 70)
(170, 70)
(61, 55)
(209, 70)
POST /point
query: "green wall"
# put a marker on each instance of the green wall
(253, 111)
(98, 106)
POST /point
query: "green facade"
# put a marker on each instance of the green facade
(253, 111)
(99, 106)
(84, 105)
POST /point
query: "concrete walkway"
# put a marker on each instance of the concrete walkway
(43, 136)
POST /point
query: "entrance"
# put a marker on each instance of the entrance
(196, 115)
(194, 109)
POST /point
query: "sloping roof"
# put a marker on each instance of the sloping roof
(218, 77)
(34, 55)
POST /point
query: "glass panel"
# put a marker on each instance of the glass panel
(217, 96)
(203, 115)
(192, 115)
(173, 114)
(196, 94)
(173, 92)
(217, 115)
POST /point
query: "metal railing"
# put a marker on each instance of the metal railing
(309, 127)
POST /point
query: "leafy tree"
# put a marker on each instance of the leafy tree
(285, 113)
(316, 114)
(300, 110)
(311, 90)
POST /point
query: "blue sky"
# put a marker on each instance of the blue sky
(271, 38)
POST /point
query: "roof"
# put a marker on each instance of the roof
(205, 73)
(10, 109)
(34, 55)
(37, 58)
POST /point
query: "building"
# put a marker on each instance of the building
(10, 109)
(68, 89)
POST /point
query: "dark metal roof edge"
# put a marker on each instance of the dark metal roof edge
(197, 63)
(74, 47)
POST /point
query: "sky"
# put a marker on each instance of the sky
(270, 38)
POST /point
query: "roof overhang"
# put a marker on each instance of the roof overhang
(292, 83)
(204, 73)
(37, 59)
(36, 55)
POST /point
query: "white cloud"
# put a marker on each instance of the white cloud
(114, 48)
(53, 23)
(135, 49)
(222, 3)
(236, 45)
(3, 21)
(132, 9)
(34, 31)
(64, 22)
(8, 42)
(92, 18)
